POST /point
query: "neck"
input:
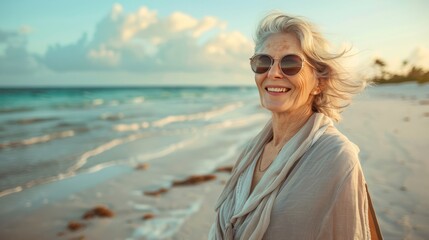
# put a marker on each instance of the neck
(287, 124)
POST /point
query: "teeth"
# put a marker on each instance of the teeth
(278, 89)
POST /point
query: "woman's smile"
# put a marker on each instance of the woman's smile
(277, 90)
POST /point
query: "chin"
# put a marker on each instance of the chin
(275, 108)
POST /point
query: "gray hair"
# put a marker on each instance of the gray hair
(336, 85)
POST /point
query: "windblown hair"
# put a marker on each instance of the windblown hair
(336, 84)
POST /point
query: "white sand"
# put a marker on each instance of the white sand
(390, 124)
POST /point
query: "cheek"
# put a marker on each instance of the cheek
(259, 78)
(301, 85)
(306, 82)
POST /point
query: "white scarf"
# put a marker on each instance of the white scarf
(244, 216)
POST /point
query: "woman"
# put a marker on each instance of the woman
(300, 178)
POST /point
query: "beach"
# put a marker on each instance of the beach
(144, 163)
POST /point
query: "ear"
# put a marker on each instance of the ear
(315, 91)
(316, 88)
(319, 87)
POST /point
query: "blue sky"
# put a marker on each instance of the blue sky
(75, 43)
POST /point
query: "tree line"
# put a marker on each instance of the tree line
(415, 74)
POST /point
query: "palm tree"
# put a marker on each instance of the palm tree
(380, 64)
(404, 65)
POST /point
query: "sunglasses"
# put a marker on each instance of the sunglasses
(290, 64)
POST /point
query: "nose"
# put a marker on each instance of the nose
(275, 70)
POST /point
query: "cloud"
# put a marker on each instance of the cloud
(68, 58)
(142, 41)
(15, 59)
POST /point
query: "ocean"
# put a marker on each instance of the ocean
(49, 134)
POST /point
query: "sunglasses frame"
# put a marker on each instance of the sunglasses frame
(279, 63)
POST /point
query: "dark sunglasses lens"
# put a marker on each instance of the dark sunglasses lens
(291, 64)
(260, 63)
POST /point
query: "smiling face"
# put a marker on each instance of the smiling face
(281, 93)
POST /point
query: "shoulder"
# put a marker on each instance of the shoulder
(334, 142)
(333, 136)
(336, 150)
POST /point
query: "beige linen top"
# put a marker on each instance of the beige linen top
(324, 197)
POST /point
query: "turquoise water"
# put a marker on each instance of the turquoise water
(50, 133)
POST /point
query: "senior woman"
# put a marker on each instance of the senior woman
(299, 178)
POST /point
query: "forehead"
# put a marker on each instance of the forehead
(281, 43)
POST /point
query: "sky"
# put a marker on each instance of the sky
(184, 42)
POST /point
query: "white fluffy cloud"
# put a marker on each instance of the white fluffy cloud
(142, 41)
